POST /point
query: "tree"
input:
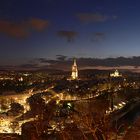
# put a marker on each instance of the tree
(16, 108)
(37, 104)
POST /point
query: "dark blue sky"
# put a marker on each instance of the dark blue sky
(82, 28)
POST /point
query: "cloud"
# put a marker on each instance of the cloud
(61, 57)
(110, 62)
(45, 61)
(131, 63)
(28, 65)
(38, 24)
(94, 17)
(41, 60)
(87, 62)
(69, 35)
(22, 29)
(13, 29)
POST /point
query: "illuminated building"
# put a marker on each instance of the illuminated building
(20, 79)
(115, 74)
(74, 74)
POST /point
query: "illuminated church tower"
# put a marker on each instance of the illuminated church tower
(74, 74)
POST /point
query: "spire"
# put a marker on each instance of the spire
(74, 64)
(74, 74)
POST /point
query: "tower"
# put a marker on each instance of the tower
(74, 74)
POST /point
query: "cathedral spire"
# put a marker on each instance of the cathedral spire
(74, 74)
(74, 64)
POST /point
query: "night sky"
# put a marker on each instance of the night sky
(32, 29)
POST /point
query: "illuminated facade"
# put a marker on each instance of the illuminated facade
(74, 74)
(115, 74)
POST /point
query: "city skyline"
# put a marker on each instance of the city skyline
(90, 29)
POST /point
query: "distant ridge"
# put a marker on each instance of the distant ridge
(83, 63)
